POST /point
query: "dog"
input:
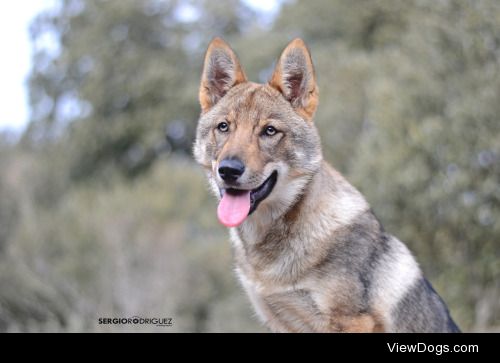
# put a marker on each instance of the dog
(309, 251)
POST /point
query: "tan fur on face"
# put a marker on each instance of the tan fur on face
(248, 108)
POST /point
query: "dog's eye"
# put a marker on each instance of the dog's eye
(223, 127)
(270, 131)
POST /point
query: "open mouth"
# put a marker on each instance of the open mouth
(237, 204)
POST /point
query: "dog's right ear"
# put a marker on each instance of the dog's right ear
(221, 72)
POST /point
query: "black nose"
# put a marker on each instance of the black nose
(231, 169)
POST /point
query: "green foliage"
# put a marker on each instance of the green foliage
(134, 249)
(102, 216)
(432, 149)
(112, 85)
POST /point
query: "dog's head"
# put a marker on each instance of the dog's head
(257, 141)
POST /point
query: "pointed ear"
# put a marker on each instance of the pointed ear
(221, 72)
(294, 78)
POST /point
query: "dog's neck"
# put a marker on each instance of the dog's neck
(328, 202)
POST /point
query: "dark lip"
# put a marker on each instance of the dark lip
(258, 194)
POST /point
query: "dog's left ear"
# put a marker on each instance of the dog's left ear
(221, 72)
(294, 78)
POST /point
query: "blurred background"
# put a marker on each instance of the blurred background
(103, 212)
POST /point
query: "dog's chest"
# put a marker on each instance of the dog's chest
(268, 281)
(329, 303)
(283, 308)
(302, 308)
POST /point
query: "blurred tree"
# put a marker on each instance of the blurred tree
(365, 24)
(8, 207)
(113, 77)
(429, 156)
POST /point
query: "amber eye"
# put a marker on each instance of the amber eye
(270, 131)
(223, 127)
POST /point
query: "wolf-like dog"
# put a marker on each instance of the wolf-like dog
(309, 252)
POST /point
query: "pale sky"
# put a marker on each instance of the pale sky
(15, 61)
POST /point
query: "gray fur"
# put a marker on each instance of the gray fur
(423, 311)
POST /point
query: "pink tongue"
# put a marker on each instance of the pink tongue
(233, 209)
